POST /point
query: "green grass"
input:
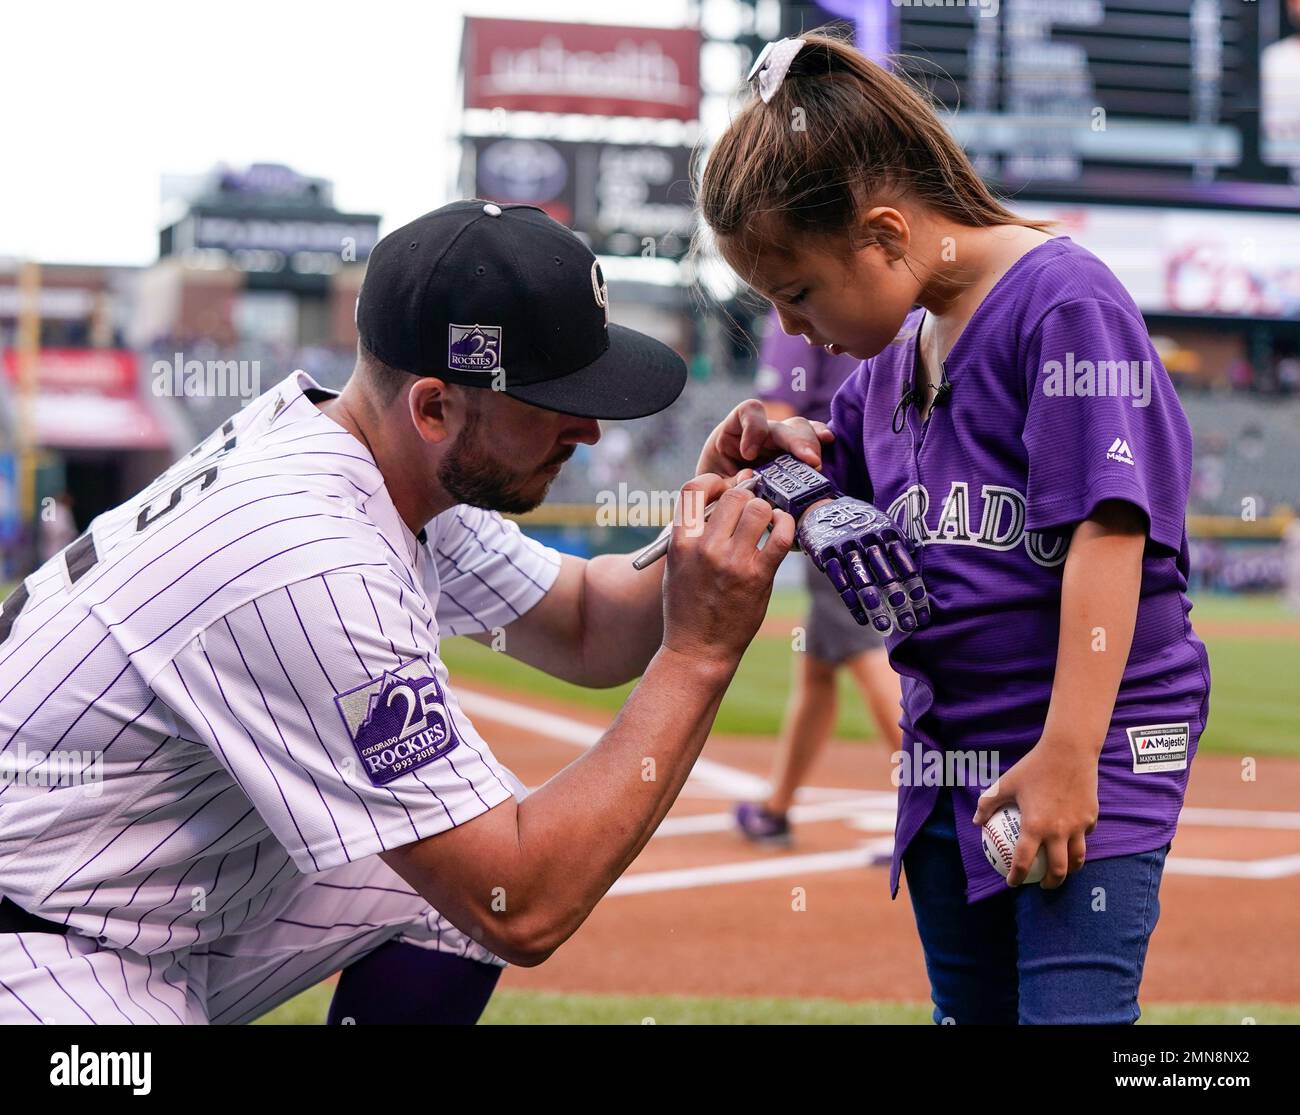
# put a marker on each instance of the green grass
(1264, 607)
(753, 705)
(1253, 703)
(1254, 709)
(529, 1008)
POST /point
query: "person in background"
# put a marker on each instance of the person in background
(794, 378)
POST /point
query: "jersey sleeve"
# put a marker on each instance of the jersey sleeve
(328, 705)
(1103, 422)
(489, 572)
(844, 459)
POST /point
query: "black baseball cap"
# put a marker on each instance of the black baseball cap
(504, 297)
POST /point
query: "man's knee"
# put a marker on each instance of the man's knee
(402, 984)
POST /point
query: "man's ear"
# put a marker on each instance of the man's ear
(429, 401)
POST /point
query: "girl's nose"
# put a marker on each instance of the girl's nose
(791, 323)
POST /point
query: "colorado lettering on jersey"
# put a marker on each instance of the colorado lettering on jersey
(1001, 525)
(398, 721)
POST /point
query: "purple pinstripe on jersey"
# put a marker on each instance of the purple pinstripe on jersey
(478, 577)
(498, 553)
(311, 721)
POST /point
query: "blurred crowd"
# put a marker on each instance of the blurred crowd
(1245, 443)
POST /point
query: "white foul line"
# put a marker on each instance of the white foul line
(643, 882)
(1278, 867)
(872, 811)
(732, 783)
(1238, 818)
(864, 813)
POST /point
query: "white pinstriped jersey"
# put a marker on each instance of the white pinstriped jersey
(243, 663)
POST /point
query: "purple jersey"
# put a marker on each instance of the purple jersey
(1058, 402)
(790, 370)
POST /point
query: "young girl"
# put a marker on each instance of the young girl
(1019, 426)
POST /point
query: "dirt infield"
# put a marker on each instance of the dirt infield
(702, 913)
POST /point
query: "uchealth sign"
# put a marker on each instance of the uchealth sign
(593, 70)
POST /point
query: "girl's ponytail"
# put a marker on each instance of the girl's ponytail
(839, 131)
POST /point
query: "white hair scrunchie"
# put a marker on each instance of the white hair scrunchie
(771, 65)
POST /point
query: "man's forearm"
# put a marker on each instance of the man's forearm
(622, 618)
(583, 828)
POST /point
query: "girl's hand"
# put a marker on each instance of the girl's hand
(747, 437)
(1055, 787)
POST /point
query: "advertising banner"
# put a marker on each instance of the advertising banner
(626, 199)
(536, 66)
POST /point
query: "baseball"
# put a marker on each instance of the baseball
(998, 838)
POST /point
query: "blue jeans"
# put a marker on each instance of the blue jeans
(1028, 955)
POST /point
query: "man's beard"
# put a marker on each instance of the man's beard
(470, 475)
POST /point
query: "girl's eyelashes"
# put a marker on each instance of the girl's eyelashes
(795, 299)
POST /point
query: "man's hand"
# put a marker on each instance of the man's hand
(1055, 786)
(718, 581)
(747, 436)
(869, 562)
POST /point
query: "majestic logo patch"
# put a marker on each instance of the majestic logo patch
(1159, 747)
(398, 721)
(1119, 451)
(474, 348)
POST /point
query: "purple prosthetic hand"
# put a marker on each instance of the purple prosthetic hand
(856, 545)
(869, 562)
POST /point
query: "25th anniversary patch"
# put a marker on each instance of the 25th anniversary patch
(397, 721)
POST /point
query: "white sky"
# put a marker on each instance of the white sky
(101, 100)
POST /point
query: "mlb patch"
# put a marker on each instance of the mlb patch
(1159, 748)
(474, 348)
(397, 722)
